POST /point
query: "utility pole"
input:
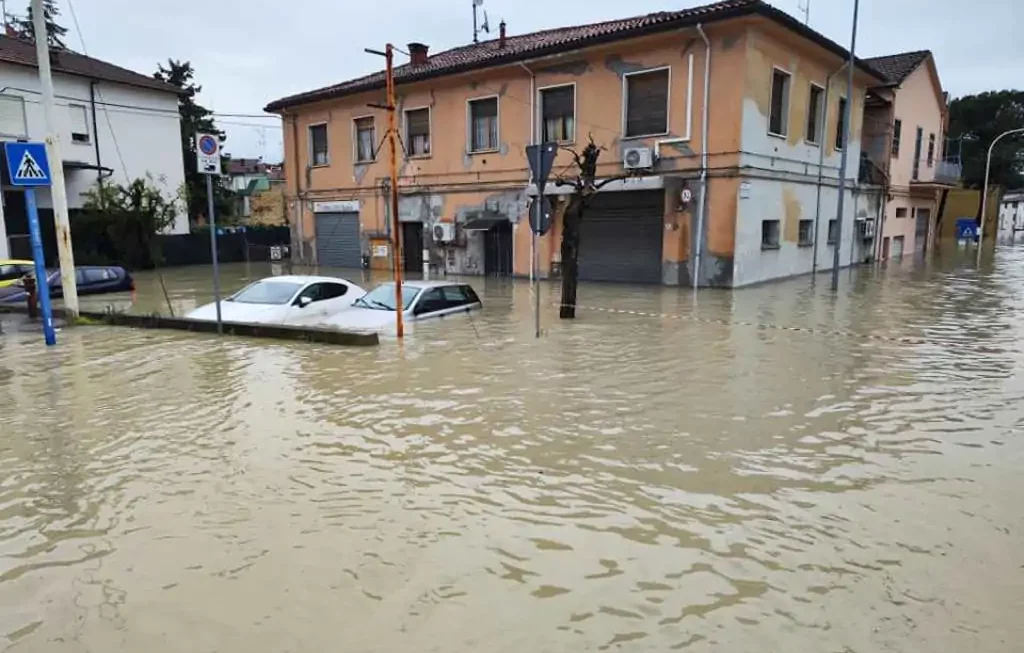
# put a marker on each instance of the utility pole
(396, 232)
(984, 186)
(58, 193)
(843, 157)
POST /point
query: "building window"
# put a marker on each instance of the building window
(483, 125)
(12, 116)
(79, 123)
(769, 234)
(558, 113)
(917, 153)
(897, 129)
(365, 139)
(806, 235)
(841, 124)
(833, 232)
(778, 116)
(815, 108)
(901, 213)
(931, 150)
(647, 103)
(318, 145)
(417, 131)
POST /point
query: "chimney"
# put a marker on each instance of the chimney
(417, 54)
(501, 34)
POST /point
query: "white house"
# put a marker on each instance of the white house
(1011, 216)
(112, 123)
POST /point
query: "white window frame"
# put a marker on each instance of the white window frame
(355, 140)
(72, 106)
(309, 144)
(822, 111)
(24, 115)
(469, 123)
(575, 110)
(787, 106)
(430, 131)
(625, 102)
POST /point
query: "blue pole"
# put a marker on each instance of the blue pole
(42, 284)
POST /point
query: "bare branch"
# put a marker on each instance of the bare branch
(604, 182)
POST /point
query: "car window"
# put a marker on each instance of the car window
(454, 296)
(382, 298)
(471, 294)
(332, 290)
(79, 277)
(266, 292)
(432, 300)
(8, 272)
(97, 275)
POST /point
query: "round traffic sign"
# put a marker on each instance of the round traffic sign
(208, 145)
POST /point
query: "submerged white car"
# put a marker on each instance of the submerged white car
(421, 300)
(292, 300)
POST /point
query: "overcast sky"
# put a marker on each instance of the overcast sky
(248, 52)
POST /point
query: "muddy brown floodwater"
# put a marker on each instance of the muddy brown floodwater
(682, 475)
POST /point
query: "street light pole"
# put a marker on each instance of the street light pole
(843, 157)
(984, 187)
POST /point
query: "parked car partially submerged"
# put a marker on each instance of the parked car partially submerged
(421, 300)
(11, 270)
(287, 299)
(90, 279)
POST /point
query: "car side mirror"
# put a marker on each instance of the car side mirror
(305, 301)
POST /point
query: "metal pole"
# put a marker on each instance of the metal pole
(42, 284)
(58, 192)
(984, 187)
(396, 235)
(846, 149)
(213, 250)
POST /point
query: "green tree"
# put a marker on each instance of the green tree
(975, 121)
(55, 32)
(122, 222)
(195, 118)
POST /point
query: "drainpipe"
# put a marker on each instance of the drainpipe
(299, 215)
(534, 263)
(821, 163)
(702, 200)
(95, 132)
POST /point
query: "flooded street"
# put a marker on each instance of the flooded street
(769, 469)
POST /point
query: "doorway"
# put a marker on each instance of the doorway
(412, 246)
(498, 250)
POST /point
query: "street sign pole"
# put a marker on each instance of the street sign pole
(42, 283)
(537, 207)
(540, 157)
(208, 163)
(29, 168)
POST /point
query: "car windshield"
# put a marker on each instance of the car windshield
(267, 292)
(382, 297)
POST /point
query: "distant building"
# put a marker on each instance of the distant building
(259, 191)
(113, 124)
(1011, 216)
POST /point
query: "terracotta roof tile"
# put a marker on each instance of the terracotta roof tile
(16, 51)
(895, 68)
(536, 44)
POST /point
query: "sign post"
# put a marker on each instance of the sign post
(208, 163)
(29, 168)
(540, 157)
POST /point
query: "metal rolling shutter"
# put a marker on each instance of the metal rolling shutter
(620, 237)
(337, 240)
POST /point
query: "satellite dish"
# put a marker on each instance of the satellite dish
(485, 27)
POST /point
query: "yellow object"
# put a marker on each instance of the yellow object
(12, 270)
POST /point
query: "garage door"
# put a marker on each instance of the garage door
(620, 238)
(337, 240)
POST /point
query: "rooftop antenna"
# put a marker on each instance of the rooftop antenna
(483, 28)
(805, 7)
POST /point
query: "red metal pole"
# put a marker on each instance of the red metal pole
(396, 233)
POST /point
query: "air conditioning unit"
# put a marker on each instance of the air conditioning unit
(444, 232)
(638, 158)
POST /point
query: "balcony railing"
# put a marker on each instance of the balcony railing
(948, 172)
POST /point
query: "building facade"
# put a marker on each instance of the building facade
(725, 122)
(112, 123)
(1011, 216)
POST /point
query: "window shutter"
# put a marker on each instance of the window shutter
(418, 122)
(12, 116)
(558, 102)
(647, 103)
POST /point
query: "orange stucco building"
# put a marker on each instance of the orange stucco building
(727, 118)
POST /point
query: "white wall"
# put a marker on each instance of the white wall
(1011, 215)
(138, 132)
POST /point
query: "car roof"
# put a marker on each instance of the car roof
(300, 278)
(420, 283)
(15, 261)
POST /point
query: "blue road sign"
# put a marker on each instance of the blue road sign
(966, 229)
(27, 164)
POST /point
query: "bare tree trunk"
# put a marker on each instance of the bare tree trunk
(570, 257)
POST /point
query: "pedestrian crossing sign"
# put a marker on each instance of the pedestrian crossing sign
(27, 164)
